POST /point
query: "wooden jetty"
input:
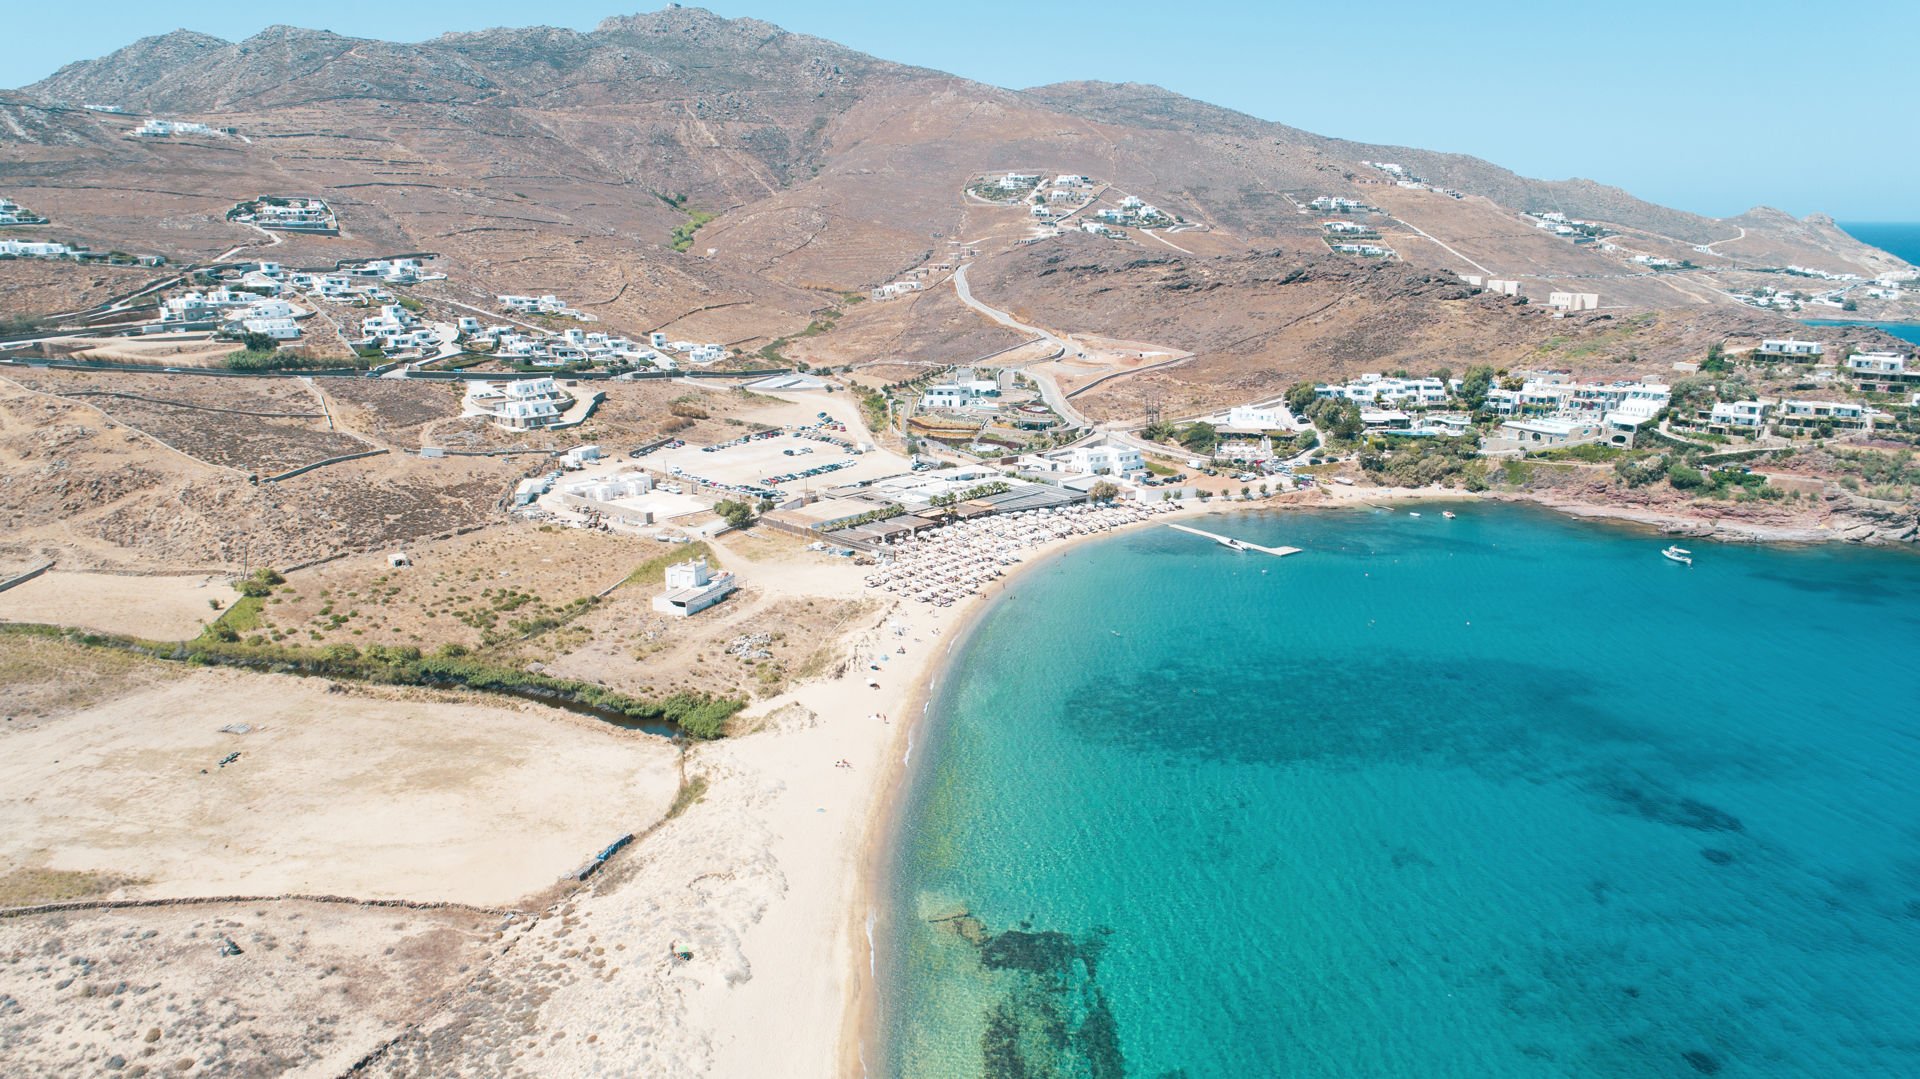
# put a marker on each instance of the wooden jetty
(1238, 545)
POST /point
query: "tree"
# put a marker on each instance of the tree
(1684, 478)
(1338, 417)
(736, 514)
(1639, 473)
(1473, 388)
(1300, 397)
(257, 342)
(1201, 437)
(1103, 492)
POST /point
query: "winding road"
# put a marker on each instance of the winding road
(965, 292)
(1049, 390)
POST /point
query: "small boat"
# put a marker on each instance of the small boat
(1232, 544)
(1413, 513)
(1448, 514)
(1680, 555)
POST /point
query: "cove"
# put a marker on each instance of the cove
(1504, 795)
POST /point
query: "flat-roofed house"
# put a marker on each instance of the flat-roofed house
(692, 587)
(1789, 349)
(1803, 415)
(1882, 372)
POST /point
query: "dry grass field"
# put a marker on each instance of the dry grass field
(468, 590)
(155, 992)
(155, 608)
(45, 679)
(250, 425)
(389, 412)
(522, 594)
(366, 793)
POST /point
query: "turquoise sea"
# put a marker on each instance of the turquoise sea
(1507, 795)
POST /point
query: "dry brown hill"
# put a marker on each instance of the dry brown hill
(1261, 321)
(542, 160)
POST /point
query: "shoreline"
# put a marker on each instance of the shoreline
(860, 1028)
(860, 1034)
(825, 837)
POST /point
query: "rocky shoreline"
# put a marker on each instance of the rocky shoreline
(1698, 520)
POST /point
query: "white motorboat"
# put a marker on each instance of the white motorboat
(1448, 514)
(1680, 555)
(1413, 513)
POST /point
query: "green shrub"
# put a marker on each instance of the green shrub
(1684, 478)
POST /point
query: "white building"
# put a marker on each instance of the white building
(280, 329)
(1802, 414)
(692, 587)
(1877, 363)
(1104, 460)
(394, 271)
(1574, 301)
(161, 129)
(1338, 204)
(1503, 287)
(1093, 459)
(1248, 418)
(1375, 388)
(1738, 415)
(1549, 432)
(962, 390)
(12, 213)
(519, 405)
(1790, 349)
(1633, 410)
(33, 250)
(898, 288)
(288, 213)
(271, 309)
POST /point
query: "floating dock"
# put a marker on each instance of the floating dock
(1238, 545)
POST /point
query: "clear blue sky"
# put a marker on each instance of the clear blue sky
(1708, 105)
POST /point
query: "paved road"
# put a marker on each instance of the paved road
(965, 293)
(1049, 390)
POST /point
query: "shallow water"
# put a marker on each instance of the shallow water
(1507, 795)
